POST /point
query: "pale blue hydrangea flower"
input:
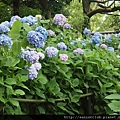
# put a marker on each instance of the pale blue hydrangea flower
(31, 56)
(29, 19)
(4, 29)
(37, 66)
(51, 33)
(59, 19)
(5, 40)
(61, 46)
(119, 35)
(6, 23)
(78, 51)
(51, 51)
(32, 73)
(108, 39)
(111, 49)
(66, 26)
(87, 31)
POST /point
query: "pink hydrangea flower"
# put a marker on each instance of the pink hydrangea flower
(103, 46)
(63, 57)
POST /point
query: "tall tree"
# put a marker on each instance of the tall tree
(92, 7)
(16, 6)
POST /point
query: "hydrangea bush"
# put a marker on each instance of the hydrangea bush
(43, 59)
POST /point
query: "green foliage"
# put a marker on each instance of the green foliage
(60, 84)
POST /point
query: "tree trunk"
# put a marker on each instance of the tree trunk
(16, 6)
(86, 9)
(45, 8)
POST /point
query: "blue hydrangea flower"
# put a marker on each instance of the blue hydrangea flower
(83, 44)
(5, 40)
(90, 41)
(108, 39)
(51, 33)
(59, 19)
(61, 46)
(36, 39)
(29, 19)
(111, 49)
(32, 73)
(43, 31)
(37, 66)
(4, 29)
(87, 31)
(96, 39)
(73, 42)
(78, 51)
(66, 26)
(119, 35)
(98, 34)
(51, 51)
(31, 56)
(6, 23)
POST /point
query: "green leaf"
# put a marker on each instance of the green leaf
(113, 96)
(76, 82)
(2, 99)
(78, 90)
(41, 110)
(115, 106)
(75, 98)
(15, 31)
(42, 78)
(107, 85)
(10, 81)
(16, 47)
(26, 27)
(19, 92)
(44, 21)
(23, 86)
(41, 94)
(14, 102)
(51, 100)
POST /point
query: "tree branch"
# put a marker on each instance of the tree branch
(101, 10)
(103, 6)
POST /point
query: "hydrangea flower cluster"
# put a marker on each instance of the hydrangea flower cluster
(6, 23)
(4, 29)
(59, 19)
(43, 31)
(37, 37)
(111, 49)
(61, 46)
(29, 19)
(5, 40)
(103, 46)
(78, 51)
(96, 38)
(108, 39)
(33, 70)
(51, 33)
(73, 42)
(119, 35)
(119, 47)
(33, 57)
(87, 31)
(66, 26)
(13, 19)
(63, 57)
(51, 51)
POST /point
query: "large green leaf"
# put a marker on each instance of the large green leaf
(10, 81)
(15, 31)
(26, 27)
(115, 106)
(19, 92)
(42, 78)
(113, 96)
(14, 102)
